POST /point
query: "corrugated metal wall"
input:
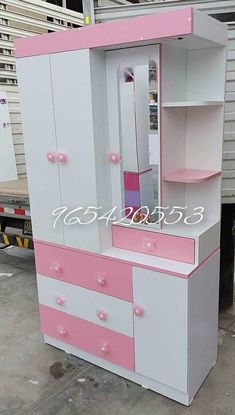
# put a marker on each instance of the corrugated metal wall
(228, 182)
(25, 18)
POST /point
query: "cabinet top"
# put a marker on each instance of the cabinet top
(185, 28)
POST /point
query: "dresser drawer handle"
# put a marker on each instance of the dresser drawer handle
(102, 315)
(138, 311)
(60, 300)
(57, 268)
(103, 348)
(62, 158)
(149, 244)
(101, 280)
(61, 330)
(51, 157)
(114, 158)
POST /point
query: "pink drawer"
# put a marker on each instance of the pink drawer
(99, 341)
(154, 243)
(89, 271)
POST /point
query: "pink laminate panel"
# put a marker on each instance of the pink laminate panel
(99, 341)
(135, 30)
(153, 243)
(93, 272)
(191, 175)
(131, 181)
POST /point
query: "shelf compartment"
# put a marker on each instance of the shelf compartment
(175, 104)
(191, 175)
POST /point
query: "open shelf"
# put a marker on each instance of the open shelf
(191, 175)
(174, 104)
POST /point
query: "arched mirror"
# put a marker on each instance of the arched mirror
(139, 129)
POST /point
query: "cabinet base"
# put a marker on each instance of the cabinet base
(145, 382)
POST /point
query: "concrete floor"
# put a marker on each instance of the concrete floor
(37, 379)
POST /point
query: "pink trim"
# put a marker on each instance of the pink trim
(88, 271)
(153, 243)
(138, 30)
(191, 176)
(99, 341)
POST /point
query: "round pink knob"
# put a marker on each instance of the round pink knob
(138, 311)
(102, 315)
(61, 330)
(56, 268)
(60, 300)
(149, 243)
(51, 157)
(62, 158)
(103, 348)
(114, 158)
(101, 280)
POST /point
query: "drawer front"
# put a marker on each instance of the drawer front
(99, 341)
(101, 309)
(153, 243)
(89, 271)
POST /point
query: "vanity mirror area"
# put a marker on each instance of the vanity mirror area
(129, 137)
(133, 77)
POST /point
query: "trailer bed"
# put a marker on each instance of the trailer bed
(15, 218)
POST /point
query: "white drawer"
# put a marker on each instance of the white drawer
(101, 309)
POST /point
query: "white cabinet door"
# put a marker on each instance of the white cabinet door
(161, 332)
(40, 139)
(74, 128)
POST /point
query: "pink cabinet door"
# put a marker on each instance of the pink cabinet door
(160, 327)
(154, 243)
(99, 341)
(89, 271)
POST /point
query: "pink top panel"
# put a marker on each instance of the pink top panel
(137, 30)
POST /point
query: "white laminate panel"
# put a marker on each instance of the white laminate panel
(161, 332)
(71, 81)
(40, 138)
(203, 322)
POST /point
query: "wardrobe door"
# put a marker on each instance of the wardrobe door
(160, 327)
(40, 145)
(71, 77)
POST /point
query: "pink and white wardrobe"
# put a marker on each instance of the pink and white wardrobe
(123, 127)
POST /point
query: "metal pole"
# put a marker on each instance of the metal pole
(88, 12)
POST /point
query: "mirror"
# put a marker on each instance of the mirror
(138, 86)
